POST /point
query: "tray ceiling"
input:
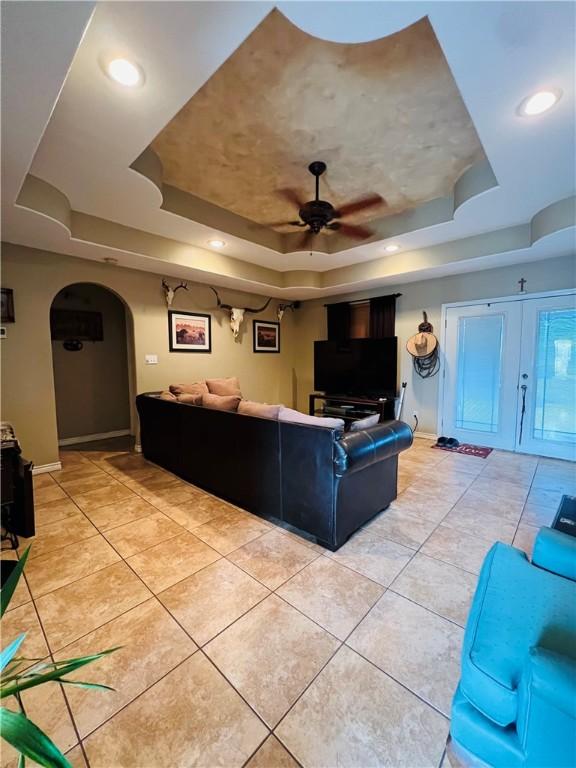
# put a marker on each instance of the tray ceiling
(386, 116)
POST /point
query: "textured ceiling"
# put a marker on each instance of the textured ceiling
(386, 116)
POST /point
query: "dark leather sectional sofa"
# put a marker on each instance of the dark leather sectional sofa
(313, 478)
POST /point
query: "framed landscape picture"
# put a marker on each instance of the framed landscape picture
(266, 336)
(7, 296)
(189, 332)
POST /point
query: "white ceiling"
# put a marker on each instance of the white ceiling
(66, 123)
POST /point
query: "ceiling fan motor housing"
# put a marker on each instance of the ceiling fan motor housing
(317, 213)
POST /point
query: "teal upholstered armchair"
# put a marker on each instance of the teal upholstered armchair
(516, 701)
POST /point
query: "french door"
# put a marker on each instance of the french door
(509, 375)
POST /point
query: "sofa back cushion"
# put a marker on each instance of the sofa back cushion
(222, 387)
(221, 402)
(196, 388)
(262, 410)
(288, 414)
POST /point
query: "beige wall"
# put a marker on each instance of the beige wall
(429, 295)
(92, 391)
(27, 377)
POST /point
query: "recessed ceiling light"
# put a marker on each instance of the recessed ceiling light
(391, 248)
(216, 243)
(538, 103)
(124, 72)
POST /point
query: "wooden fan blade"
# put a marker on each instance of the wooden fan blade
(371, 201)
(291, 196)
(285, 224)
(357, 233)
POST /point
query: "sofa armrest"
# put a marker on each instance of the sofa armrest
(357, 450)
(556, 552)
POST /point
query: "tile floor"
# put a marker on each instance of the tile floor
(246, 644)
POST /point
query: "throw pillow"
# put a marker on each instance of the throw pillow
(229, 386)
(221, 402)
(369, 421)
(166, 395)
(191, 399)
(263, 410)
(196, 388)
(287, 414)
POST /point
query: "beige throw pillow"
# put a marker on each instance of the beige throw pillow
(221, 402)
(369, 421)
(287, 414)
(196, 388)
(229, 386)
(166, 395)
(191, 399)
(263, 410)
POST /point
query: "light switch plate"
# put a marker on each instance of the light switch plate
(151, 359)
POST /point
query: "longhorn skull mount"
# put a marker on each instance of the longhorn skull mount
(237, 313)
(169, 292)
(283, 307)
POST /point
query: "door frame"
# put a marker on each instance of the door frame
(471, 303)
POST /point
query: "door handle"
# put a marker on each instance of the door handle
(524, 387)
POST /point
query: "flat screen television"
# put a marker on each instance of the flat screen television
(359, 367)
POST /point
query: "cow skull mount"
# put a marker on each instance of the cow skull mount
(169, 292)
(283, 307)
(237, 313)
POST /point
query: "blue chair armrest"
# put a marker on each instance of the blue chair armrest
(556, 552)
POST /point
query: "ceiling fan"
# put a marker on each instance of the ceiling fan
(317, 214)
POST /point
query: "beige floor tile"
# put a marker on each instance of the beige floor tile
(192, 717)
(518, 475)
(476, 522)
(46, 707)
(24, 619)
(273, 558)
(373, 556)
(453, 546)
(470, 465)
(169, 562)
(483, 503)
(161, 497)
(401, 526)
(417, 648)
(161, 482)
(502, 488)
(534, 514)
(193, 512)
(438, 586)
(142, 534)
(431, 506)
(126, 511)
(103, 497)
(76, 758)
(525, 537)
(271, 669)
(83, 485)
(21, 594)
(47, 493)
(44, 480)
(231, 531)
(76, 471)
(72, 611)
(272, 755)
(150, 644)
(56, 569)
(54, 511)
(54, 536)
(333, 596)
(545, 497)
(353, 715)
(147, 472)
(210, 600)
(555, 478)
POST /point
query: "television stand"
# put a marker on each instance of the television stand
(361, 406)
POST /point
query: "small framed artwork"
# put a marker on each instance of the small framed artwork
(189, 332)
(266, 336)
(7, 299)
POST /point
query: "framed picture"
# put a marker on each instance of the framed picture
(266, 336)
(189, 332)
(7, 298)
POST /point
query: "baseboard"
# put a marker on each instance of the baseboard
(93, 438)
(43, 468)
(425, 435)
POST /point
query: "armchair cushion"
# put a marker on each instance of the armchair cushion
(556, 552)
(516, 607)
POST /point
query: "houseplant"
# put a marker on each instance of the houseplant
(16, 676)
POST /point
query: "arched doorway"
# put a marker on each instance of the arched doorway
(91, 352)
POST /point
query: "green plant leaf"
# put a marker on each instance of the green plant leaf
(21, 761)
(82, 684)
(29, 740)
(23, 682)
(10, 651)
(11, 583)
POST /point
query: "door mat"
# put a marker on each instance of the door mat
(468, 450)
